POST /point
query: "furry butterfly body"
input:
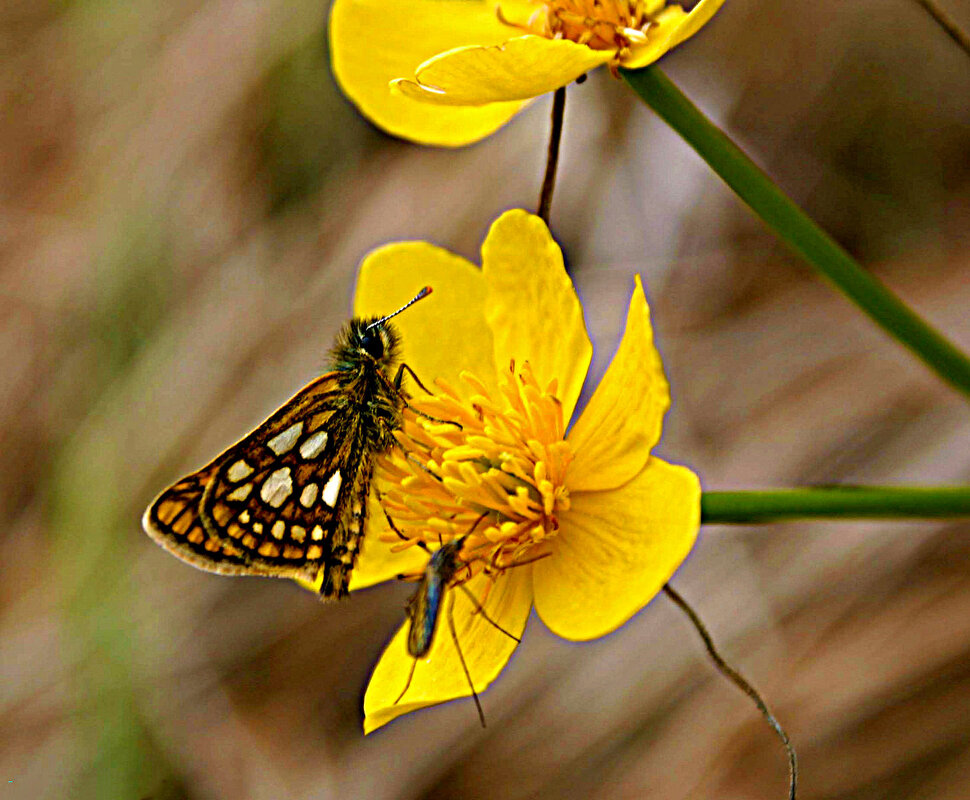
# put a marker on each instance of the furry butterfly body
(290, 500)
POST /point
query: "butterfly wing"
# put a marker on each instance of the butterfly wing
(286, 501)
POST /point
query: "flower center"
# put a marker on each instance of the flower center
(498, 481)
(600, 24)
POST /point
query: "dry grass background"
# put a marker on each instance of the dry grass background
(184, 196)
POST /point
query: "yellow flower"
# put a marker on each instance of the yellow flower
(585, 523)
(450, 72)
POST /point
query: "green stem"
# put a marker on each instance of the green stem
(841, 502)
(796, 229)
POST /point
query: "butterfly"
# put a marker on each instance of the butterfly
(290, 499)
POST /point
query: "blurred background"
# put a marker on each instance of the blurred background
(184, 198)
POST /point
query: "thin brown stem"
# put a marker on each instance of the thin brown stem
(552, 158)
(738, 680)
(947, 23)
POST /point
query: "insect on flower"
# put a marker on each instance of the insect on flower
(578, 519)
(424, 610)
(290, 499)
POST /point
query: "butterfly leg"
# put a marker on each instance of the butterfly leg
(409, 456)
(433, 419)
(392, 526)
(399, 379)
(397, 384)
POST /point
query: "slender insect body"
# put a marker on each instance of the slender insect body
(424, 607)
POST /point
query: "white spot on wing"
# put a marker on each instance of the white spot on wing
(309, 495)
(317, 533)
(277, 487)
(283, 442)
(313, 445)
(278, 529)
(332, 489)
(241, 492)
(238, 471)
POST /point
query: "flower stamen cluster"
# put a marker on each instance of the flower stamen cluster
(498, 481)
(600, 24)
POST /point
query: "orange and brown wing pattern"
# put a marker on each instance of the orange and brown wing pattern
(284, 501)
(173, 521)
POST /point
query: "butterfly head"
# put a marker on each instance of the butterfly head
(369, 341)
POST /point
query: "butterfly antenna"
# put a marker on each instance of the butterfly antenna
(738, 680)
(419, 296)
(461, 658)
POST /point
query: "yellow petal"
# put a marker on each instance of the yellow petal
(615, 550)
(443, 334)
(673, 27)
(373, 42)
(532, 307)
(519, 69)
(612, 439)
(439, 676)
(312, 586)
(377, 561)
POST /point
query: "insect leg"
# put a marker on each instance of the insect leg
(480, 610)
(396, 385)
(393, 527)
(408, 455)
(399, 378)
(407, 685)
(461, 658)
(525, 561)
(428, 416)
(434, 419)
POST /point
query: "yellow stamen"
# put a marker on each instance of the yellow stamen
(600, 24)
(498, 481)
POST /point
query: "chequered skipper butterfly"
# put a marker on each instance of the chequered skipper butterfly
(290, 500)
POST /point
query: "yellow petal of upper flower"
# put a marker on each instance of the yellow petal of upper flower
(519, 69)
(531, 306)
(612, 439)
(673, 27)
(373, 42)
(442, 335)
(439, 676)
(615, 550)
